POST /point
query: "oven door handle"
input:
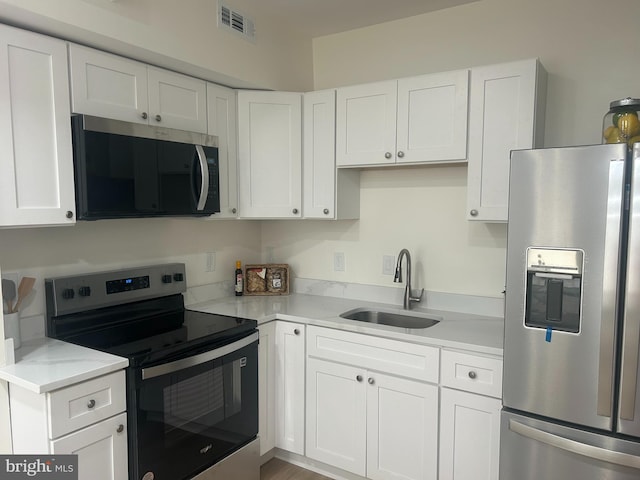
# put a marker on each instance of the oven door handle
(183, 363)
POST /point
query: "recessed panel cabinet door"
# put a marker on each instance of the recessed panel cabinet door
(177, 101)
(336, 415)
(506, 112)
(101, 449)
(105, 85)
(270, 154)
(432, 117)
(402, 428)
(366, 124)
(36, 160)
(222, 122)
(469, 436)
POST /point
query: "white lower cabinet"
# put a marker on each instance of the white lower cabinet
(87, 419)
(470, 403)
(281, 386)
(101, 449)
(368, 422)
(469, 436)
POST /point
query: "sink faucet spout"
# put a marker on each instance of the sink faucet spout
(408, 299)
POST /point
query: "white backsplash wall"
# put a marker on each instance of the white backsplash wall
(419, 208)
(112, 244)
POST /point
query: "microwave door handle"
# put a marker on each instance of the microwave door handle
(204, 172)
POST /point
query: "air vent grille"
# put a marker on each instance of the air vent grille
(235, 21)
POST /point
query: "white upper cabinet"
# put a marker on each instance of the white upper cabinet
(412, 120)
(327, 193)
(270, 154)
(36, 159)
(506, 113)
(221, 113)
(106, 85)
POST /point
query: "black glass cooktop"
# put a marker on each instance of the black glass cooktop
(150, 331)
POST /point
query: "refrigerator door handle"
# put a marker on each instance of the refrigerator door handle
(579, 448)
(610, 289)
(631, 319)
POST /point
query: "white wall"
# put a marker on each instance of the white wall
(591, 50)
(181, 35)
(112, 244)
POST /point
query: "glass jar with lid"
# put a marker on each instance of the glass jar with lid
(621, 124)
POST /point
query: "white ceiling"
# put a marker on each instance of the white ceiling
(324, 17)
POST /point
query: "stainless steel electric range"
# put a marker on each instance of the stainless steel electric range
(192, 380)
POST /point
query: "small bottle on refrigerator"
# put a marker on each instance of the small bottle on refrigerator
(239, 279)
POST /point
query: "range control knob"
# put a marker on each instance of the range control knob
(166, 279)
(67, 293)
(84, 291)
(178, 277)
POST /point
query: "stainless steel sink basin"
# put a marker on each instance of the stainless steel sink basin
(391, 318)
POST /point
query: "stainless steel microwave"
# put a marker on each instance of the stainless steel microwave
(127, 170)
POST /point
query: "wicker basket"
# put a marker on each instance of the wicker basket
(266, 279)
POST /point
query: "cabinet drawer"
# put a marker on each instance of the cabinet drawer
(374, 353)
(85, 403)
(474, 373)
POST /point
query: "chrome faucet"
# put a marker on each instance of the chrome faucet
(398, 278)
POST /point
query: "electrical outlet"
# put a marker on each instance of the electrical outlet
(210, 262)
(338, 262)
(388, 264)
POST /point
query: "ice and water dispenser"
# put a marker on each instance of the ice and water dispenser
(554, 289)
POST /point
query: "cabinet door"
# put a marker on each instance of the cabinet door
(432, 117)
(266, 387)
(506, 113)
(177, 101)
(319, 155)
(105, 85)
(270, 154)
(336, 415)
(366, 124)
(221, 115)
(36, 160)
(101, 449)
(290, 356)
(402, 428)
(469, 436)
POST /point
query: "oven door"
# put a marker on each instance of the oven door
(194, 411)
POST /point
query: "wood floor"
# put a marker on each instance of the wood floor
(276, 469)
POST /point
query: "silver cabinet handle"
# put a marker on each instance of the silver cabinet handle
(120, 428)
(371, 381)
(158, 118)
(204, 171)
(233, 210)
(144, 115)
(295, 211)
(296, 331)
(473, 213)
(69, 214)
(359, 378)
(400, 154)
(472, 375)
(325, 211)
(573, 446)
(91, 404)
(388, 155)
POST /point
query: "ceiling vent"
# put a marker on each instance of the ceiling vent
(235, 21)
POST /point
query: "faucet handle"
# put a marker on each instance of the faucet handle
(416, 299)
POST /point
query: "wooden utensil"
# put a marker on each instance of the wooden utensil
(24, 289)
(8, 293)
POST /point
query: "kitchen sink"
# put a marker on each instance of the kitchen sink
(392, 318)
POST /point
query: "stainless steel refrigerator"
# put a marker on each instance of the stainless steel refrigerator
(571, 385)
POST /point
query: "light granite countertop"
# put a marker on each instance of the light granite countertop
(46, 364)
(476, 333)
